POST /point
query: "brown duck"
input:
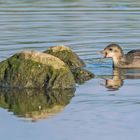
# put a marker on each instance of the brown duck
(121, 60)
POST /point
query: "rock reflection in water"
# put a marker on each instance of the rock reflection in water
(35, 104)
(118, 77)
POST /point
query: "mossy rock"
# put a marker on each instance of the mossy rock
(30, 69)
(35, 104)
(73, 61)
(66, 55)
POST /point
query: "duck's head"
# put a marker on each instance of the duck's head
(113, 51)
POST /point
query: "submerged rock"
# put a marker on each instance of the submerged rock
(35, 104)
(30, 69)
(81, 75)
(73, 61)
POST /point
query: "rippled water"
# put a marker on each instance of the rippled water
(87, 26)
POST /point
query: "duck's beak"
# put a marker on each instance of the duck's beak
(103, 53)
(100, 52)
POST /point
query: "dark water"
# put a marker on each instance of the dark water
(104, 108)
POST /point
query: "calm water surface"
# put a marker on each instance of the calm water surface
(96, 111)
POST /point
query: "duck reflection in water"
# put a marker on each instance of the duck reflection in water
(34, 104)
(118, 77)
(116, 81)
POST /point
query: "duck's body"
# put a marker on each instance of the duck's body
(121, 60)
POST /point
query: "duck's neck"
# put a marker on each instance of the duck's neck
(118, 61)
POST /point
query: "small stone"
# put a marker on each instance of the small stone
(39, 107)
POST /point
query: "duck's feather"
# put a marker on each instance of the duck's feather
(133, 57)
(134, 53)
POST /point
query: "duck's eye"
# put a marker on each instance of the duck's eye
(110, 49)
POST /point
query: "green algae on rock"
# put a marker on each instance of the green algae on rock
(73, 61)
(66, 55)
(81, 75)
(30, 69)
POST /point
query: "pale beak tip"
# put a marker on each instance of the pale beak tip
(99, 52)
